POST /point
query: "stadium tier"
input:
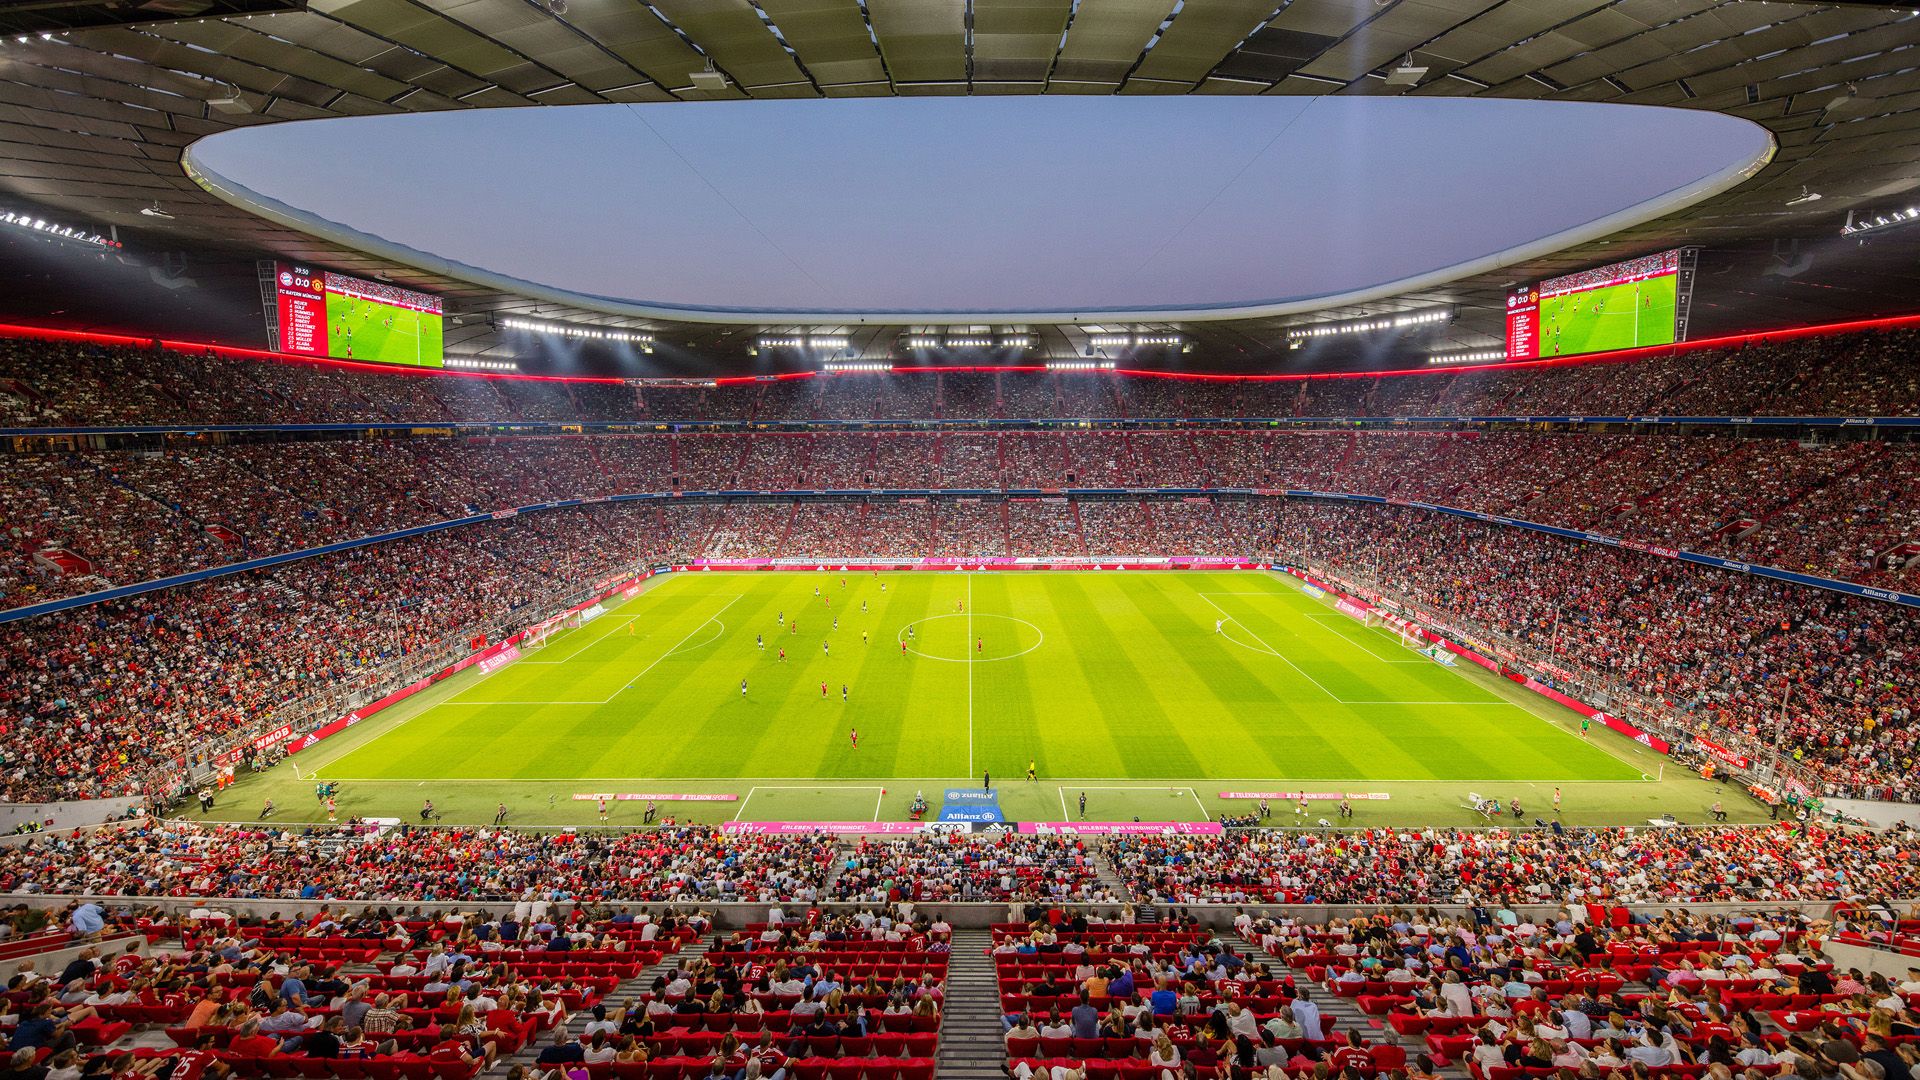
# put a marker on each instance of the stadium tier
(240, 661)
(74, 384)
(1122, 540)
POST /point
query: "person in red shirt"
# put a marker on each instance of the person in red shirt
(197, 1063)
(1353, 1056)
(454, 1052)
(771, 1058)
(250, 1043)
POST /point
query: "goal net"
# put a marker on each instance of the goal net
(537, 635)
(1411, 637)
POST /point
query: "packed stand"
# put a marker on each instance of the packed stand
(1713, 651)
(154, 857)
(925, 869)
(1530, 866)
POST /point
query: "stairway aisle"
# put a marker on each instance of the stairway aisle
(624, 996)
(972, 1042)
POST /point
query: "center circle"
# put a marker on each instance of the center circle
(992, 637)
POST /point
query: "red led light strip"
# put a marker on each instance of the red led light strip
(1884, 323)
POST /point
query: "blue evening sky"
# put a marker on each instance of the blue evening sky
(981, 203)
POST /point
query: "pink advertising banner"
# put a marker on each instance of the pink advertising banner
(842, 828)
(656, 796)
(1122, 828)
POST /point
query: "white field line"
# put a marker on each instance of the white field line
(1275, 652)
(715, 617)
(314, 772)
(737, 814)
(1065, 782)
(969, 675)
(498, 670)
(1318, 616)
(584, 645)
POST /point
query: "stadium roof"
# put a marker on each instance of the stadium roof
(101, 98)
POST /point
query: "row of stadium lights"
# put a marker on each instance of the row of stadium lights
(1877, 221)
(481, 365)
(1470, 356)
(585, 333)
(830, 342)
(1007, 341)
(55, 229)
(881, 367)
(1423, 318)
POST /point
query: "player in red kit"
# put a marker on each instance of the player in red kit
(823, 691)
(853, 736)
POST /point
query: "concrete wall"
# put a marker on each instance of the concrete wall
(52, 963)
(61, 815)
(1873, 961)
(1878, 814)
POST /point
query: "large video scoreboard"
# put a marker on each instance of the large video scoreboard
(1624, 305)
(322, 314)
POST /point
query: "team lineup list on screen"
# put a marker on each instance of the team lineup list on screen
(303, 311)
(1523, 324)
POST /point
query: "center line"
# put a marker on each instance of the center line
(969, 676)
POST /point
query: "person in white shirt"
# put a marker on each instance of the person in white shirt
(1241, 1022)
(1486, 1052)
(599, 1049)
(601, 1023)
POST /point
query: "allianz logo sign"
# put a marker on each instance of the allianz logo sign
(1879, 594)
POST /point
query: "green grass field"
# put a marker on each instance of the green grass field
(1152, 692)
(413, 338)
(1616, 317)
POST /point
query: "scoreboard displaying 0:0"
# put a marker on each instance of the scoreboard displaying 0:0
(1625, 305)
(322, 314)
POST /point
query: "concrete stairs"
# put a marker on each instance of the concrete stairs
(972, 1039)
(624, 996)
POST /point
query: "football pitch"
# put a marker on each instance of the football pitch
(413, 338)
(1153, 692)
(1615, 317)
